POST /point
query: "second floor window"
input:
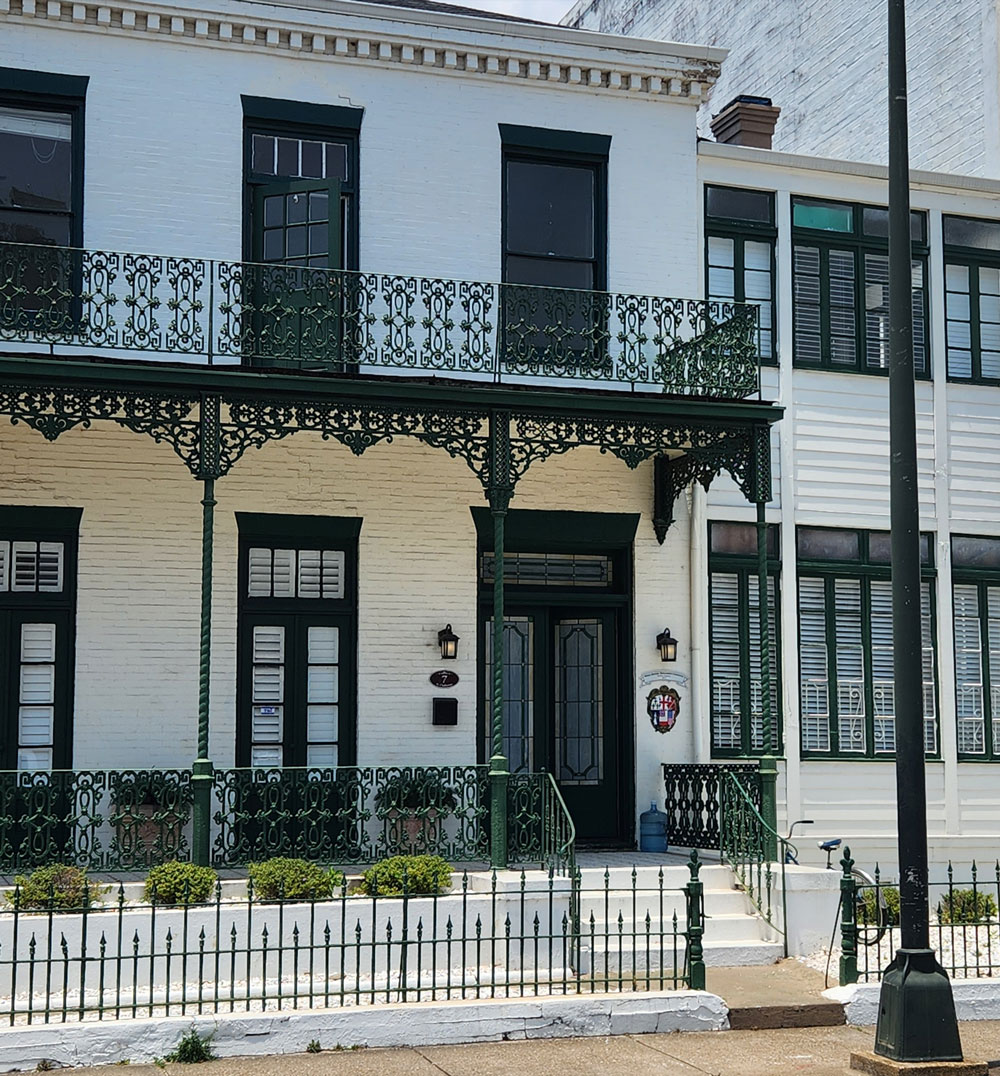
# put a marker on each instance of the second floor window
(972, 298)
(846, 691)
(740, 237)
(840, 280)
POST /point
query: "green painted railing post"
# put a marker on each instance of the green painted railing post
(768, 762)
(848, 922)
(202, 771)
(499, 493)
(694, 896)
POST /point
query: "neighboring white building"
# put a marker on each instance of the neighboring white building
(824, 65)
(365, 416)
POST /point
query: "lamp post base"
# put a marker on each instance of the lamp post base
(874, 1065)
(916, 1018)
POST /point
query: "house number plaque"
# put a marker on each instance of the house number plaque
(444, 678)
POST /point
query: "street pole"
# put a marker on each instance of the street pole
(916, 1011)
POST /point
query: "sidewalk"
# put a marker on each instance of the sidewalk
(822, 1051)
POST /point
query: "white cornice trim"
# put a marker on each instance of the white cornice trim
(801, 162)
(362, 33)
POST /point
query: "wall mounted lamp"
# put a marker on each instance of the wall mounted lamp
(448, 641)
(667, 645)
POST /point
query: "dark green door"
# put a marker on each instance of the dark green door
(297, 301)
(562, 707)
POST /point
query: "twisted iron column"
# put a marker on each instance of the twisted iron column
(768, 761)
(202, 771)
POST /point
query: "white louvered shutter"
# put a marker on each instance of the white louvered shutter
(725, 660)
(968, 670)
(814, 685)
(322, 695)
(806, 292)
(756, 689)
(883, 695)
(36, 696)
(268, 696)
(842, 306)
(850, 660)
(259, 573)
(36, 567)
(929, 665)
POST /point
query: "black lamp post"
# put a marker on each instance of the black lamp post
(916, 1010)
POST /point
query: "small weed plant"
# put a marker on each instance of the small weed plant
(412, 875)
(192, 1049)
(314, 1047)
(179, 883)
(283, 878)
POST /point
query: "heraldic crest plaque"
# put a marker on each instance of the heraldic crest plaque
(663, 704)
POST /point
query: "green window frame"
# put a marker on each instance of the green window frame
(846, 698)
(972, 299)
(734, 641)
(976, 608)
(840, 287)
(740, 266)
(296, 641)
(38, 573)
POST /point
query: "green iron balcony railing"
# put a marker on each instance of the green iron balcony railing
(81, 303)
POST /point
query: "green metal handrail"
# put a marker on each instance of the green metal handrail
(76, 302)
(559, 831)
(745, 840)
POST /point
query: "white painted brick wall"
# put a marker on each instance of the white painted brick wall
(823, 63)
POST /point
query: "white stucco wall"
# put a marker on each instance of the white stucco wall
(824, 65)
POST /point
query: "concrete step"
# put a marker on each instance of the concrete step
(741, 952)
(717, 902)
(721, 928)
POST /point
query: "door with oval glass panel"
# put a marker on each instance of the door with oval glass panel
(562, 707)
(297, 301)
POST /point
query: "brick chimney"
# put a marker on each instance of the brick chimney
(746, 121)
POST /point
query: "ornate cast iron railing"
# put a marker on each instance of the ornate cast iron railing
(129, 820)
(694, 796)
(76, 302)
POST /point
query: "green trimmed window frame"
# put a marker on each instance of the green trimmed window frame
(734, 646)
(976, 608)
(840, 289)
(972, 300)
(845, 646)
(38, 590)
(740, 259)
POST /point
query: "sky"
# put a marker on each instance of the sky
(543, 10)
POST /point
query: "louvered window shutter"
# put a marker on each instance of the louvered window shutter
(290, 573)
(322, 695)
(807, 308)
(36, 567)
(268, 695)
(929, 669)
(36, 697)
(850, 659)
(814, 686)
(842, 308)
(969, 670)
(883, 698)
(725, 662)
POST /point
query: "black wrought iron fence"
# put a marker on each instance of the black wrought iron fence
(78, 302)
(693, 798)
(536, 934)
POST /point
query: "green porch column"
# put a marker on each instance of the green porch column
(499, 494)
(201, 771)
(768, 762)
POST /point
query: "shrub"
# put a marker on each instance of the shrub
(179, 883)
(283, 878)
(967, 906)
(423, 875)
(867, 912)
(56, 886)
(193, 1048)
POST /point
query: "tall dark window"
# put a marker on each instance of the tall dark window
(295, 698)
(840, 279)
(37, 606)
(972, 298)
(846, 692)
(734, 640)
(739, 255)
(41, 158)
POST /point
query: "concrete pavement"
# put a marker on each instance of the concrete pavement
(818, 1051)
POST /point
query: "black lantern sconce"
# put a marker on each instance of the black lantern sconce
(448, 641)
(667, 645)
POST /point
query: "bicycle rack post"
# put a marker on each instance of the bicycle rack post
(848, 922)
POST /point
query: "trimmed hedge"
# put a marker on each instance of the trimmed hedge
(180, 883)
(413, 875)
(967, 906)
(56, 886)
(284, 878)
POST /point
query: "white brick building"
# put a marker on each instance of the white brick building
(823, 64)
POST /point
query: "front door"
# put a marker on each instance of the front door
(562, 706)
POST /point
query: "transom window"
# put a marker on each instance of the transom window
(550, 569)
(840, 278)
(295, 573)
(734, 640)
(972, 298)
(739, 254)
(845, 644)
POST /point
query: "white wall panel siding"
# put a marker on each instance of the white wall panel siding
(975, 458)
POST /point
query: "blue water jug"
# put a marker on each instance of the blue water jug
(652, 830)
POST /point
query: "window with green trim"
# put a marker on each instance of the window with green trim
(846, 694)
(734, 641)
(972, 298)
(840, 282)
(740, 237)
(37, 608)
(976, 596)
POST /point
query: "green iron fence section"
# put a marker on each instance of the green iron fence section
(693, 799)
(483, 939)
(76, 301)
(745, 839)
(130, 820)
(965, 923)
